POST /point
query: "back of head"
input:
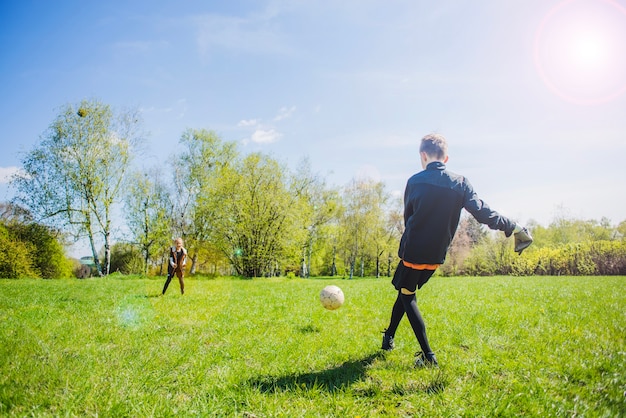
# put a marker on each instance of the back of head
(435, 146)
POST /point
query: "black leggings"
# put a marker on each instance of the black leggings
(407, 303)
(180, 280)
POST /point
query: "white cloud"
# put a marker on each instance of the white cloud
(261, 136)
(285, 112)
(248, 122)
(6, 173)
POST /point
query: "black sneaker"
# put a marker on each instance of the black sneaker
(425, 360)
(388, 344)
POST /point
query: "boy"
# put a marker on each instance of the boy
(433, 200)
(178, 259)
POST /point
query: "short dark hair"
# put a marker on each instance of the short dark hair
(435, 146)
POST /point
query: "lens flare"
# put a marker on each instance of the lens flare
(580, 51)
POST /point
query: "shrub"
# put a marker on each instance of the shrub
(572, 259)
(479, 262)
(126, 259)
(15, 257)
(609, 257)
(47, 254)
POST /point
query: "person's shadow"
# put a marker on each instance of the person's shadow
(330, 379)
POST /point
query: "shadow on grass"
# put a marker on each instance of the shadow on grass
(156, 295)
(309, 329)
(433, 385)
(329, 380)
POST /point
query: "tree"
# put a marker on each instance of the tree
(366, 231)
(201, 164)
(257, 220)
(148, 215)
(315, 206)
(621, 230)
(395, 219)
(73, 177)
(385, 235)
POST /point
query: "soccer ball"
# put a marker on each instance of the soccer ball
(331, 297)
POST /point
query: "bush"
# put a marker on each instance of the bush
(15, 257)
(572, 259)
(524, 265)
(479, 262)
(126, 259)
(609, 257)
(32, 250)
(48, 255)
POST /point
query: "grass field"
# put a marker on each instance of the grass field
(507, 346)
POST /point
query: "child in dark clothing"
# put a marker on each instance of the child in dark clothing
(433, 200)
(176, 266)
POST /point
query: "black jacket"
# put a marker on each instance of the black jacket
(433, 200)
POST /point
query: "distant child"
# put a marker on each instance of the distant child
(177, 261)
(433, 200)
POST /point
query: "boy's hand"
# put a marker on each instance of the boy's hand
(523, 239)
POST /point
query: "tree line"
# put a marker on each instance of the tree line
(240, 214)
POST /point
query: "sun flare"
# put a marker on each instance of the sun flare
(580, 50)
(589, 50)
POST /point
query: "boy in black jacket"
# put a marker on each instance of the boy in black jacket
(433, 200)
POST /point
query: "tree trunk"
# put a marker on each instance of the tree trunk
(94, 253)
(146, 259)
(194, 261)
(107, 250)
(308, 270)
(378, 266)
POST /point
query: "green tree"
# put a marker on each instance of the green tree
(382, 227)
(396, 224)
(148, 214)
(315, 206)
(621, 230)
(197, 175)
(257, 218)
(73, 177)
(365, 229)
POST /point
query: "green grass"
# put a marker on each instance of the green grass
(508, 346)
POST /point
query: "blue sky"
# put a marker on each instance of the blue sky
(529, 93)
